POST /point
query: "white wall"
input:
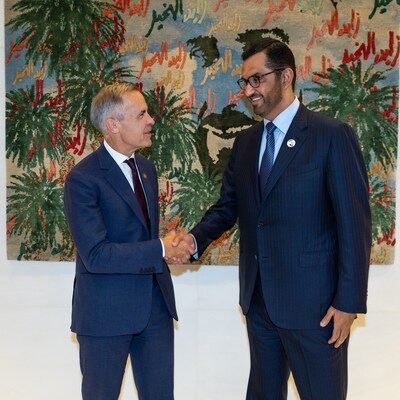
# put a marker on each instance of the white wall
(39, 356)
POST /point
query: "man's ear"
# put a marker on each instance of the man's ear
(112, 125)
(287, 76)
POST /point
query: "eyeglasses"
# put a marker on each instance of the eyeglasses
(255, 80)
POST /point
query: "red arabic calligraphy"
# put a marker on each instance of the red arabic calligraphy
(178, 61)
(274, 10)
(140, 9)
(351, 29)
(305, 71)
(390, 55)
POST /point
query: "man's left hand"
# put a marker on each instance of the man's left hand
(342, 322)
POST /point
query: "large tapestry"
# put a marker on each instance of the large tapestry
(185, 57)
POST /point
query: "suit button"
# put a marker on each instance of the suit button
(255, 257)
(260, 225)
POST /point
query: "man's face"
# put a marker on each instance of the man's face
(267, 98)
(135, 128)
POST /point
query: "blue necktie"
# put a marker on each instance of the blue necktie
(268, 156)
(139, 189)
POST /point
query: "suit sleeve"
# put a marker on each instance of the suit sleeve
(90, 233)
(222, 215)
(349, 192)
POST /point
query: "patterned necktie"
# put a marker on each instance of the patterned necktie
(139, 190)
(268, 156)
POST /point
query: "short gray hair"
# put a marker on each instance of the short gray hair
(108, 103)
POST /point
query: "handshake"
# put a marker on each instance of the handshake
(178, 246)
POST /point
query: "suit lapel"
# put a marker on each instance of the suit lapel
(292, 143)
(118, 182)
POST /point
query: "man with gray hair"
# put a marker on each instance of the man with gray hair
(123, 301)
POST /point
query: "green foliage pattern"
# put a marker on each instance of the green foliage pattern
(80, 44)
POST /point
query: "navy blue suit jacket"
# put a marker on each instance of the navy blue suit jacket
(309, 234)
(116, 254)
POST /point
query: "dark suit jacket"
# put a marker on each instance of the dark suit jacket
(116, 254)
(310, 233)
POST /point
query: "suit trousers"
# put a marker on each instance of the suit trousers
(319, 370)
(103, 359)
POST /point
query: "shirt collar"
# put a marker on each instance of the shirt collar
(119, 158)
(285, 118)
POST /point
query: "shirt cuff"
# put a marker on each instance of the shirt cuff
(195, 255)
(163, 249)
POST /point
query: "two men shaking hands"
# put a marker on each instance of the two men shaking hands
(179, 247)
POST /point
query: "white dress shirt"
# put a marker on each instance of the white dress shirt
(120, 159)
(282, 123)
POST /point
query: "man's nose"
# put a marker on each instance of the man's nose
(249, 90)
(151, 121)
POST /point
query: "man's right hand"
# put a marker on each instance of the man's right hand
(178, 247)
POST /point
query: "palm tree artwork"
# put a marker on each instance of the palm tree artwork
(185, 57)
(355, 96)
(34, 214)
(80, 48)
